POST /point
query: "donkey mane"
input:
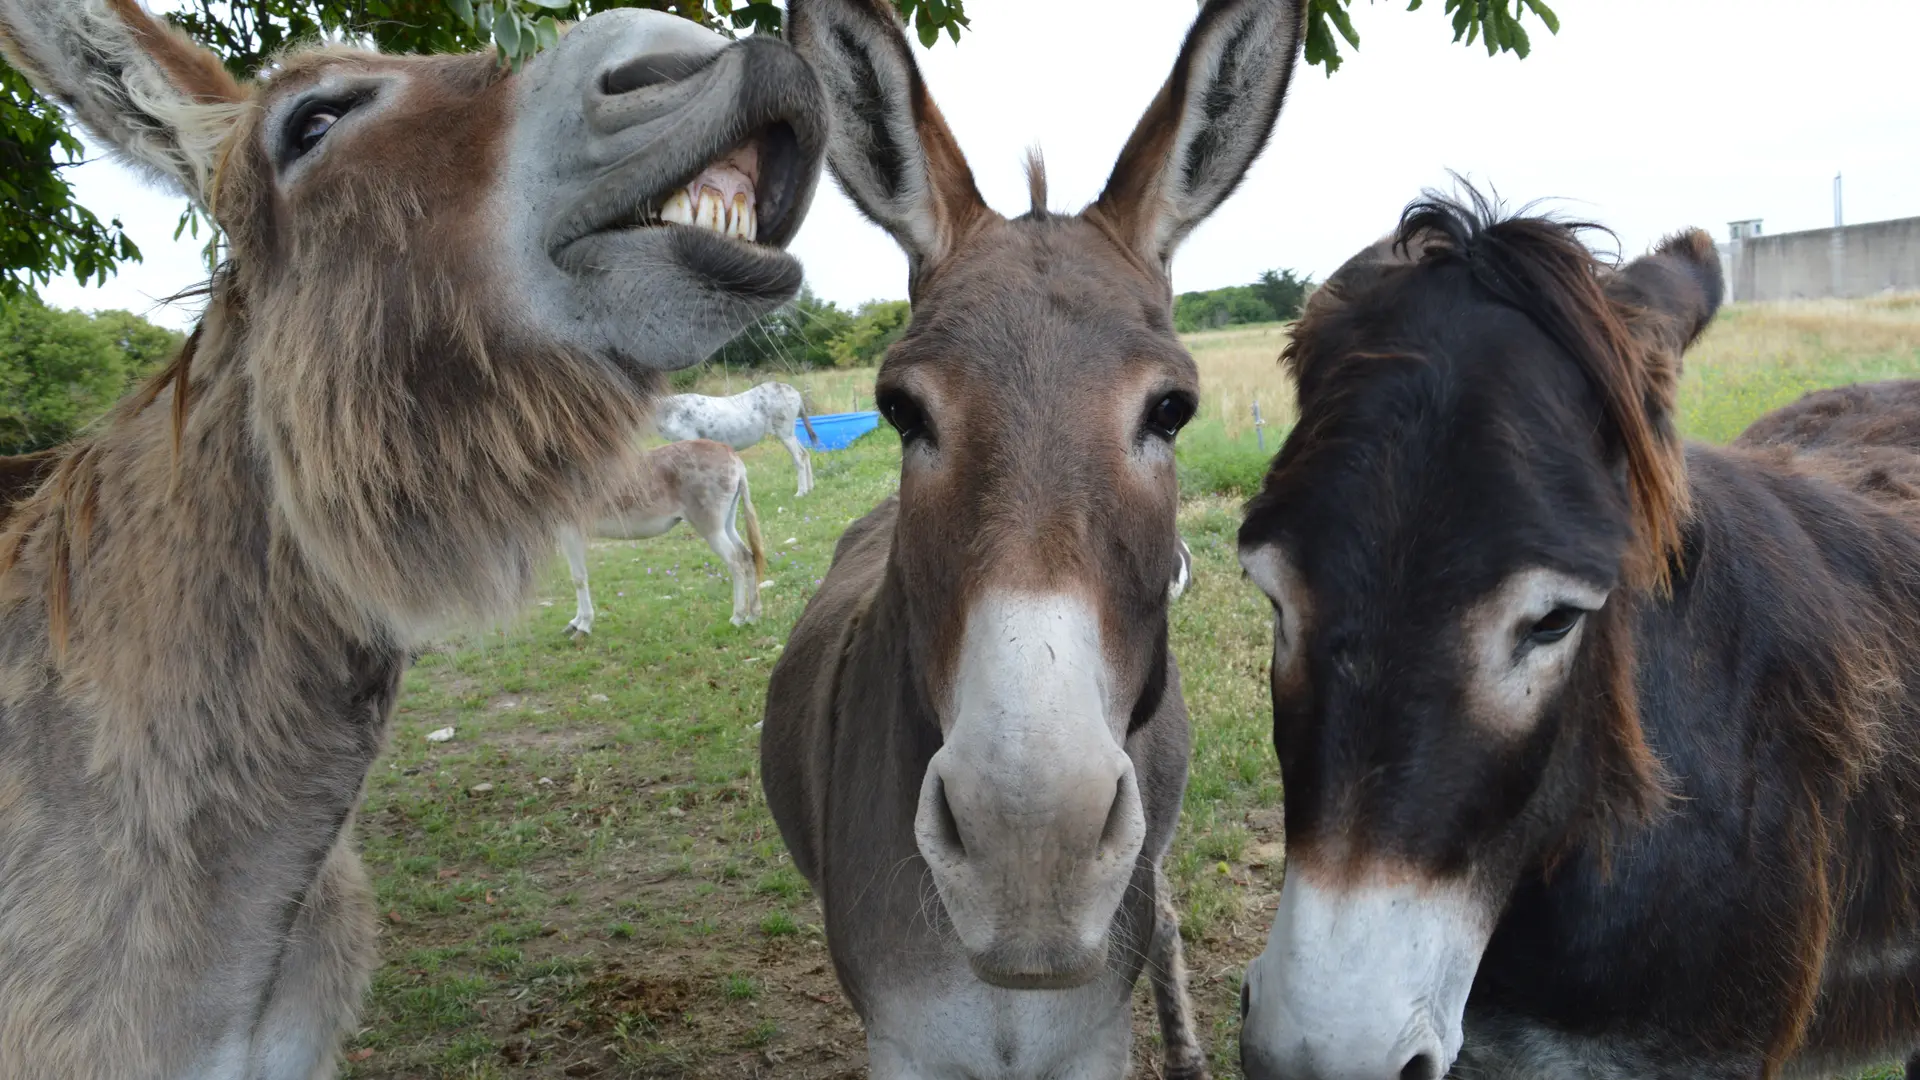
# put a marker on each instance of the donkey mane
(1538, 266)
(65, 491)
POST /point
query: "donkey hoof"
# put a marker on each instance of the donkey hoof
(577, 633)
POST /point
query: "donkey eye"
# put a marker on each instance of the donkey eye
(1168, 415)
(1557, 624)
(904, 413)
(310, 126)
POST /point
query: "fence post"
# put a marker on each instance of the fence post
(1259, 427)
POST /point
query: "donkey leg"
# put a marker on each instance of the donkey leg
(1913, 1067)
(1167, 967)
(327, 963)
(802, 464)
(574, 543)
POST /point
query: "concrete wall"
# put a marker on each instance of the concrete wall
(1857, 260)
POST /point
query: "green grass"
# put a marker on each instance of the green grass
(1214, 461)
(620, 903)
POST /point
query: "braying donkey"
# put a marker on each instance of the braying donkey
(445, 309)
(1601, 751)
(975, 744)
(699, 482)
(772, 408)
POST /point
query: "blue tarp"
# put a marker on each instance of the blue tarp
(835, 431)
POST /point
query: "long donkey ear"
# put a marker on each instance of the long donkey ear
(1671, 295)
(137, 84)
(1206, 126)
(891, 149)
(1665, 300)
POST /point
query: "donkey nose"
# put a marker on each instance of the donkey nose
(1031, 863)
(1080, 811)
(652, 70)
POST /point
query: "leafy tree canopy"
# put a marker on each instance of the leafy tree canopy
(815, 333)
(45, 232)
(61, 369)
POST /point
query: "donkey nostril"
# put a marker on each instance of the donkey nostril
(1117, 816)
(1246, 998)
(943, 817)
(645, 71)
(1422, 1067)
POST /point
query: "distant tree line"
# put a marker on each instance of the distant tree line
(59, 370)
(816, 333)
(1276, 297)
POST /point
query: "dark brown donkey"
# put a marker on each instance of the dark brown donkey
(975, 744)
(448, 302)
(1601, 752)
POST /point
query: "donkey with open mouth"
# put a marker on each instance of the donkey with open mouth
(975, 743)
(451, 291)
(1600, 751)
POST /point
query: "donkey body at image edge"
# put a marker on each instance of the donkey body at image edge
(975, 743)
(447, 305)
(1599, 750)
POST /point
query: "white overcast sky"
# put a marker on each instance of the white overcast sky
(1645, 115)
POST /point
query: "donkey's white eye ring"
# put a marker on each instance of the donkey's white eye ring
(1555, 625)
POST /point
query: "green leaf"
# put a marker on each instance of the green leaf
(506, 33)
(556, 5)
(1337, 13)
(1539, 7)
(547, 31)
(464, 9)
(1320, 45)
(1517, 40)
(1462, 18)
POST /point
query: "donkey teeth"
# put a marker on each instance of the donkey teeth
(741, 221)
(678, 209)
(712, 212)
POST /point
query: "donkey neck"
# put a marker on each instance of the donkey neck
(209, 672)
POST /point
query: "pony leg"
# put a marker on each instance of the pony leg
(574, 543)
(802, 462)
(739, 558)
(325, 968)
(1167, 968)
(727, 544)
